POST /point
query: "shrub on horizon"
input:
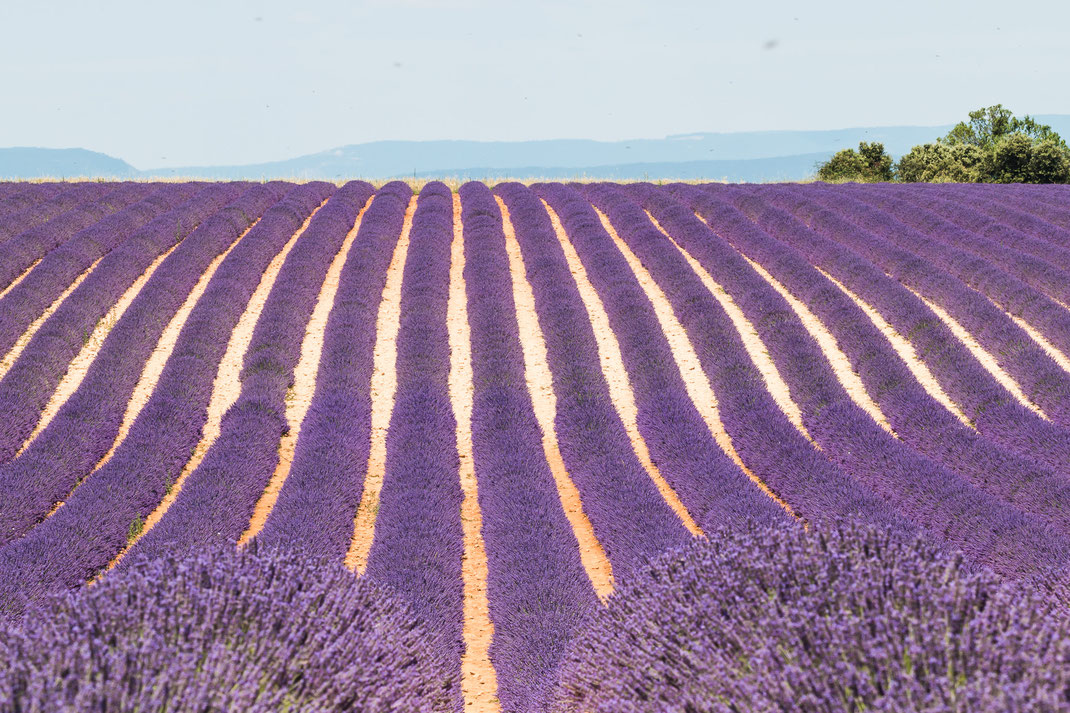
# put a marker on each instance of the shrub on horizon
(251, 630)
(993, 146)
(870, 164)
(842, 620)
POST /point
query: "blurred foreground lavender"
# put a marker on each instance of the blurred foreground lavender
(255, 630)
(771, 619)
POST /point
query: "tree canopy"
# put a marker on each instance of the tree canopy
(992, 146)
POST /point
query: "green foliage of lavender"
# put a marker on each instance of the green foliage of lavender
(844, 620)
(255, 630)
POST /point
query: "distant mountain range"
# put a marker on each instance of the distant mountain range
(742, 156)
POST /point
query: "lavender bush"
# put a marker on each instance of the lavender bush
(256, 630)
(86, 425)
(319, 499)
(843, 620)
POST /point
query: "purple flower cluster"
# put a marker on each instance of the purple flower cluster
(221, 493)
(418, 544)
(760, 432)
(896, 248)
(22, 250)
(257, 630)
(319, 500)
(128, 246)
(949, 507)
(987, 405)
(15, 197)
(1028, 210)
(87, 423)
(83, 536)
(70, 198)
(845, 619)
(915, 416)
(707, 483)
(537, 588)
(1016, 241)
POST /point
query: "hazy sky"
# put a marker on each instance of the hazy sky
(191, 82)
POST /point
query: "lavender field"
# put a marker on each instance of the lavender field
(499, 408)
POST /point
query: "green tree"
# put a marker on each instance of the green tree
(871, 163)
(987, 127)
(994, 146)
(942, 163)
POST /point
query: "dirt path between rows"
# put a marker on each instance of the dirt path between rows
(980, 354)
(479, 681)
(687, 362)
(1050, 349)
(752, 343)
(616, 376)
(13, 354)
(226, 388)
(384, 384)
(299, 397)
(544, 401)
(20, 278)
(80, 365)
(905, 350)
(841, 365)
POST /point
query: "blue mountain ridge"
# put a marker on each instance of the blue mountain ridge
(738, 156)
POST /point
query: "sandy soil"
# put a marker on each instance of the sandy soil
(20, 278)
(299, 397)
(987, 360)
(687, 362)
(150, 373)
(540, 386)
(479, 682)
(383, 385)
(79, 367)
(12, 356)
(620, 388)
(905, 350)
(227, 385)
(756, 350)
(1049, 348)
(839, 362)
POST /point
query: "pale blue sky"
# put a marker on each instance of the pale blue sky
(166, 84)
